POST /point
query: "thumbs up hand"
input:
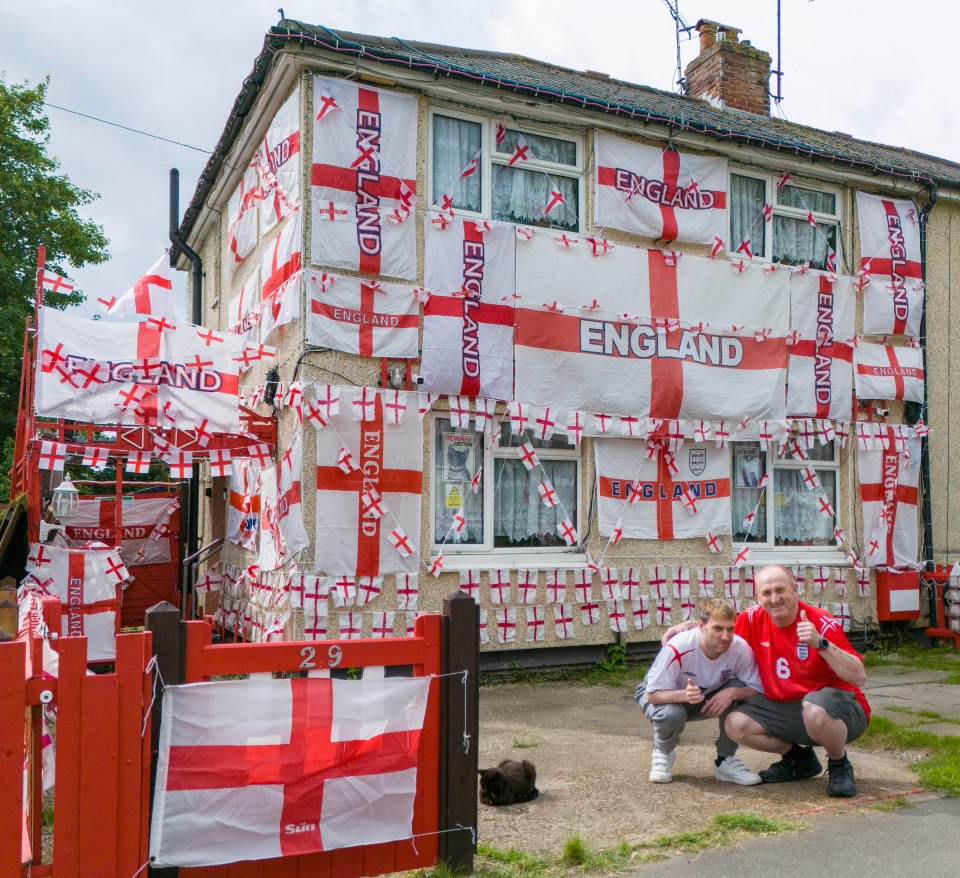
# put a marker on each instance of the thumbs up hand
(807, 631)
(693, 693)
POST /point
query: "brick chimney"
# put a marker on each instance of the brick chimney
(728, 72)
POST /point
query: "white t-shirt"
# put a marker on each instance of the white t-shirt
(682, 659)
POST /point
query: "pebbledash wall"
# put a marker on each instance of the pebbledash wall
(294, 66)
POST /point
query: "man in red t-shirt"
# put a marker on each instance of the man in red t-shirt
(811, 677)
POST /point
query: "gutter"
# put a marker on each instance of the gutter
(927, 544)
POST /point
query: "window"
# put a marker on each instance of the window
(788, 237)
(506, 513)
(518, 194)
(789, 516)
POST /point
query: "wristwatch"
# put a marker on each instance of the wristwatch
(823, 644)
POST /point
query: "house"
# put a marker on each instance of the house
(603, 290)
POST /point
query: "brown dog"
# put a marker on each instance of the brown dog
(509, 783)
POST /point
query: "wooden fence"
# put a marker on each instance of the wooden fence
(107, 728)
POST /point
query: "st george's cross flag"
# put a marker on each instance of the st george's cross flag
(820, 374)
(151, 295)
(364, 168)
(96, 519)
(357, 511)
(289, 498)
(87, 583)
(243, 510)
(889, 489)
(888, 372)
(279, 162)
(281, 274)
(242, 209)
(108, 373)
(659, 193)
(243, 311)
(661, 485)
(890, 254)
(647, 351)
(469, 270)
(369, 318)
(257, 769)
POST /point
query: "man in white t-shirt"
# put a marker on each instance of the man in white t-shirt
(700, 674)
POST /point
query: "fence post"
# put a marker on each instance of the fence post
(459, 716)
(163, 622)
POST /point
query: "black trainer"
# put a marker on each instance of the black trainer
(840, 784)
(801, 767)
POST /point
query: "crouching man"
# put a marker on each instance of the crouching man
(811, 677)
(699, 674)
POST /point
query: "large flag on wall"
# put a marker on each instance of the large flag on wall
(242, 217)
(243, 312)
(369, 492)
(364, 169)
(243, 511)
(659, 193)
(665, 336)
(96, 520)
(280, 164)
(130, 373)
(678, 495)
(256, 769)
(890, 489)
(890, 254)
(467, 329)
(282, 273)
(362, 317)
(888, 372)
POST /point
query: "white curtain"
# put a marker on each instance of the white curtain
(796, 241)
(799, 521)
(747, 197)
(520, 517)
(520, 196)
(455, 142)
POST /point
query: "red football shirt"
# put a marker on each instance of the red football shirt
(788, 668)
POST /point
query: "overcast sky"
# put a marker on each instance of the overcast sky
(876, 69)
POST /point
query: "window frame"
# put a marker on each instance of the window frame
(768, 551)
(491, 157)
(482, 555)
(772, 197)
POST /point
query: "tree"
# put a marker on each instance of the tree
(37, 205)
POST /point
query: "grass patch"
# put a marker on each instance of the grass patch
(578, 857)
(940, 658)
(617, 677)
(889, 805)
(953, 679)
(46, 815)
(519, 744)
(939, 771)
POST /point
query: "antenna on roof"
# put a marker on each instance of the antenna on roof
(779, 71)
(679, 83)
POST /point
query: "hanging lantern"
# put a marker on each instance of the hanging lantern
(66, 500)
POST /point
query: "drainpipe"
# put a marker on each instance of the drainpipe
(925, 453)
(196, 316)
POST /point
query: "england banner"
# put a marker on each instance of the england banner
(890, 490)
(151, 295)
(243, 511)
(820, 380)
(659, 193)
(671, 496)
(87, 583)
(890, 255)
(137, 373)
(243, 312)
(822, 306)
(669, 337)
(369, 493)
(467, 328)
(368, 318)
(280, 157)
(141, 515)
(364, 168)
(281, 273)
(257, 769)
(289, 500)
(242, 217)
(887, 372)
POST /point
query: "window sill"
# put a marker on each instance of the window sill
(497, 559)
(810, 556)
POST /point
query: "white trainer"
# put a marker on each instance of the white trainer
(732, 770)
(661, 766)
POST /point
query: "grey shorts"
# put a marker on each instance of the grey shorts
(784, 719)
